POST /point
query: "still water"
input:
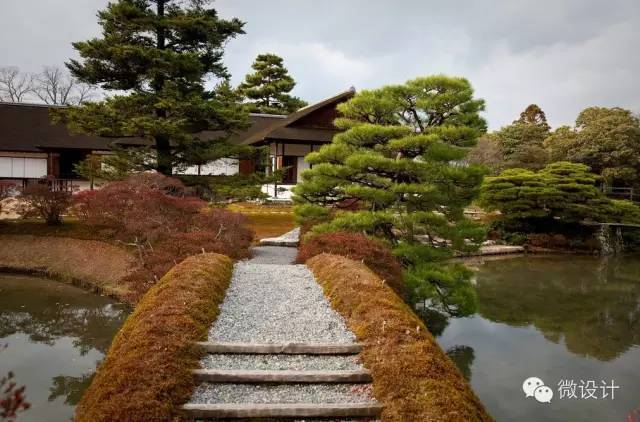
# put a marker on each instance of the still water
(55, 335)
(575, 319)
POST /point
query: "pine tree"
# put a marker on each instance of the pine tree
(267, 89)
(399, 162)
(156, 56)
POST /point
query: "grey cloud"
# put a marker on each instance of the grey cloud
(563, 54)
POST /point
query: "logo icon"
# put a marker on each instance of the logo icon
(534, 387)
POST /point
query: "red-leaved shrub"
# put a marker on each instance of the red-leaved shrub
(373, 253)
(157, 216)
(40, 200)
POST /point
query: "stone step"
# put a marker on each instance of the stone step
(256, 376)
(282, 410)
(282, 348)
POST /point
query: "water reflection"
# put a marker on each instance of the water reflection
(56, 336)
(554, 318)
(591, 305)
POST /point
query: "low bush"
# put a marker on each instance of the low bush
(373, 253)
(158, 217)
(412, 376)
(6, 190)
(39, 200)
(146, 375)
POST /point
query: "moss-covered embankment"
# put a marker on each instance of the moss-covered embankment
(146, 375)
(92, 264)
(412, 377)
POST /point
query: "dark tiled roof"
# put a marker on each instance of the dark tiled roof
(271, 132)
(28, 128)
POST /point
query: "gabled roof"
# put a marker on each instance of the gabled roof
(28, 128)
(281, 128)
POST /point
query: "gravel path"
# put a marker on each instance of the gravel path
(284, 362)
(285, 393)
(272, 301)
(288, 239)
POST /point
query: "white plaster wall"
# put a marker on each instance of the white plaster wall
(21, 167)
(221, 167)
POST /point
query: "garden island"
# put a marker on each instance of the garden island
(175, 246)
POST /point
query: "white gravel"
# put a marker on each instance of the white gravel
(282, 362)
(213, 393)
(288, 239)
(271, 303)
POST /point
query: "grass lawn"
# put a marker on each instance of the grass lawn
(266, 220)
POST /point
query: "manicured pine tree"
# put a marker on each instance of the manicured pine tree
(155, 55)
(267, 88)
(400, 163)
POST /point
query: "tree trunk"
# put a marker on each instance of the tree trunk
(163, 144)
(164, 156)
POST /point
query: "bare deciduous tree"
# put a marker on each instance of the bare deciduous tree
(14, 85)
(55, 86)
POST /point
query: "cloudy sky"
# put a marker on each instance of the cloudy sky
(564, 55)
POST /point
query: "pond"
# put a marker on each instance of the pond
(55, 335)
(568, 321)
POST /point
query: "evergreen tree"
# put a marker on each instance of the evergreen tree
(605, 139)
(560, 193)
(267, 88)
(399, 164)
(522, 142)
(156, 56)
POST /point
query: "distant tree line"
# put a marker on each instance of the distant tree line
(607, 140)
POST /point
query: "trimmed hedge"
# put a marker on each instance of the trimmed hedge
(373, 253)
(412, 377)
(146, 375)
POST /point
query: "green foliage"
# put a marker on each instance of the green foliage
(227, 189)
(522, 142)
(156, 56)
(399, 163)
(447, 284)
(561, 192)
(605, 139)
(268, 87)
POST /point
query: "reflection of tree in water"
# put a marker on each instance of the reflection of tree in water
(70, 387)
(591, 304)
(47, 311)
(463, 357)
(436, 322)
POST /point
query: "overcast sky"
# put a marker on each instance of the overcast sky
(564, 55)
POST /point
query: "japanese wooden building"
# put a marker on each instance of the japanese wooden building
(31, 146)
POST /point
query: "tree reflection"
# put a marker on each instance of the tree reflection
(463, 357)
(46, 311)
(71, 388)
(593, 305)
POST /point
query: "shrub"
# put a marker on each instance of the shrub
(164, 224)
(39, 200)
(6, 190)
(412, 377)
(373, 253)
(146, 374)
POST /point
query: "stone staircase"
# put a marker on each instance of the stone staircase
(285, 380)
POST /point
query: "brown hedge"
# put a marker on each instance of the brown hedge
(412, 377)
(373, 253)
(146, 373)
